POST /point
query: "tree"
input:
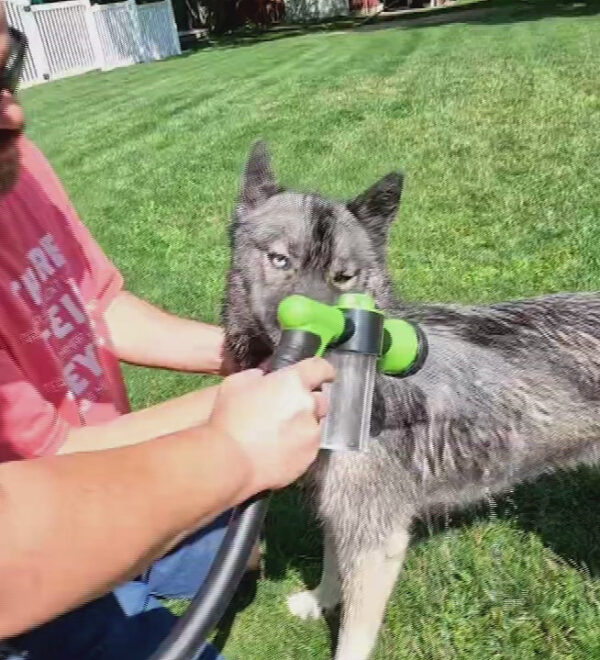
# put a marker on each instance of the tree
(219, 16)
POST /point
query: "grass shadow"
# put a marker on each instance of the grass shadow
(293, 538)
(562, 508)
(244, 596)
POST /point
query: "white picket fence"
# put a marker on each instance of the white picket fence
(72, 37)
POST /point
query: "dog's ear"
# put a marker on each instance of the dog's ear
(258, 182)
(376, 208)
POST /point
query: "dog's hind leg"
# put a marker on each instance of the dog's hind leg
(310, 604)
(366, 589)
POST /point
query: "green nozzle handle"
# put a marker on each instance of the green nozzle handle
(308, 328)
(301, 314)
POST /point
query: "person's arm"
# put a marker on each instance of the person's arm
(75, 526)
(170, 416)
(146, 335)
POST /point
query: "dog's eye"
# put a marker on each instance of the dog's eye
(278, 260)
(343, 279)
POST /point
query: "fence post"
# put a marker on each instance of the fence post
(137, 30)
(174, 27)
(90, 22)
(35, 43)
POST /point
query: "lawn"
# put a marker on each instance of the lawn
(495, 120)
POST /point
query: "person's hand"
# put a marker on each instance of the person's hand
(274, 420)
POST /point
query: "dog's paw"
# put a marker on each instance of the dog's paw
(304, 605)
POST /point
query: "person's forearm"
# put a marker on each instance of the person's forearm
(75, 526)
(143, 334)
(177, 414)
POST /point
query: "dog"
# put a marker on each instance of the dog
(508, 391)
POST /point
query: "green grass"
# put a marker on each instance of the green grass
(495, 121)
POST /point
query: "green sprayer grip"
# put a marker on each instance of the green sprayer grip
(402, 347)
(302, 313)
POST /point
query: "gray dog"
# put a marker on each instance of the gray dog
(508, 390)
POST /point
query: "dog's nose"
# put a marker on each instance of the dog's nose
(317, 289)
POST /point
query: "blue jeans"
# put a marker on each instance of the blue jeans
(130, 623)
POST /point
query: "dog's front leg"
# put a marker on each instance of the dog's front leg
(310, 604)
(366, 589)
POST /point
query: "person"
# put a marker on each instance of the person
(66, 322)
(74, 526)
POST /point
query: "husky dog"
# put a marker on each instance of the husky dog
(508, 391)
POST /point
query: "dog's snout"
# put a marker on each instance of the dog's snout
(317, 289)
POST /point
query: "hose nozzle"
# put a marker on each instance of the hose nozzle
(359, 340)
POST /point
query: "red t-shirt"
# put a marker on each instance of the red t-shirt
(57, 368)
